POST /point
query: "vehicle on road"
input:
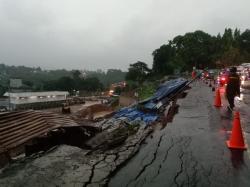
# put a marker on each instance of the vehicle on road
(222, 79)
(246, 74)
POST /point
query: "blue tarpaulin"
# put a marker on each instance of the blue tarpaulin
(134, 113)
(169, 87)
(164, 91)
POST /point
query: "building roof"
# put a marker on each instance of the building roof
(17, 128)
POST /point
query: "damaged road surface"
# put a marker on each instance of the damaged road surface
(190, 151)
(141, 146)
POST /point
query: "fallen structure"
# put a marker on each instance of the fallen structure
(18, 129)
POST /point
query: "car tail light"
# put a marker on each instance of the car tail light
(223, 78)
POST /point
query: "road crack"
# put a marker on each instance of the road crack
(164, 159)
(180, 171)
(93, 171)
(148, 164)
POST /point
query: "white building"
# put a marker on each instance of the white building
(29, 98)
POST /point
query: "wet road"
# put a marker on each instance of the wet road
(191, 151)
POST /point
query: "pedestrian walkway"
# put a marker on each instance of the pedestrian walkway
(190, 151)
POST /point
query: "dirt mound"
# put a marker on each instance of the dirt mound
(94, 112)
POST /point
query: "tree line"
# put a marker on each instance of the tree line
(195, 49)
(36, 79)
(202, 50)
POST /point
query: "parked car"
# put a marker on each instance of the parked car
(209, 74)
(246, 74)
(222, 79)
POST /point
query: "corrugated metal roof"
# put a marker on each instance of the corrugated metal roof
(16, 128)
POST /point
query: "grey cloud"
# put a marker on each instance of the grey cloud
(94, 34)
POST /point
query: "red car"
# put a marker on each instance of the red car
(223, 78)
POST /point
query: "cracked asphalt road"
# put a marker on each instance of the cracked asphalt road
(191, 151)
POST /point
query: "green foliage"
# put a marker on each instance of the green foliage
(202, 50)
(70, 84)
(131, 85)
(146, 91)
(244, 41)
(162, 59)
(111, 76)
(138, 72)
(37, 79)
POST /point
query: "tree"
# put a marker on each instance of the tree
(76, 74)
(138, 72)
(231, 57)
(227, 39)
(244, 41)
(91, 84)
(195, 49)
(162, 59)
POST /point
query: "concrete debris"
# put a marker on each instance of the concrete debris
(114, 136)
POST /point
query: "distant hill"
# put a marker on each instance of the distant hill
(35, 78)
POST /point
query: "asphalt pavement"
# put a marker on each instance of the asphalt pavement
(191, 151)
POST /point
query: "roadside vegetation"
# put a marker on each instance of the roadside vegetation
(147, 90)
(194, 49)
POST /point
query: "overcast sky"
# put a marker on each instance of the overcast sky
(103, 34)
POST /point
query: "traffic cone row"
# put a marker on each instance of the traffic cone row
(236, 140)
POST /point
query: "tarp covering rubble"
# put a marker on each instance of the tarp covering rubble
(165, 90)
(134, 114)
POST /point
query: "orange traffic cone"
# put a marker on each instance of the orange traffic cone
(217, 101)
(236, 141)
